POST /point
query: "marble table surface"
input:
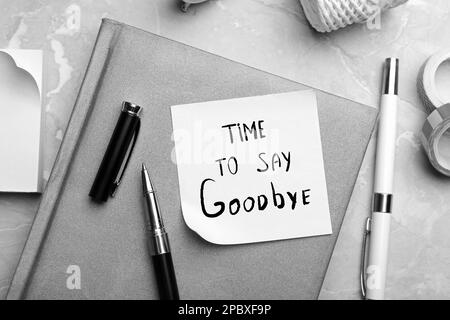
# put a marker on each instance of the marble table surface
(272, 35)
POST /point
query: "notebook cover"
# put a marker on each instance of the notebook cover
(108, 241)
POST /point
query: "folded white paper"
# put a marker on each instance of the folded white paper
(251, 169)
(20, 120)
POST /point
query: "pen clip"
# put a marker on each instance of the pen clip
(364, 258)
(125, 163)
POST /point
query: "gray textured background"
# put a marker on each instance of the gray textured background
(272, 35)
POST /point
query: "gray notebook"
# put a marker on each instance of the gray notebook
(108, 242)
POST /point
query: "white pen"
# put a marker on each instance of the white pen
(373, 275)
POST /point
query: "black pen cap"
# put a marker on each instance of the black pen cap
(118, 153)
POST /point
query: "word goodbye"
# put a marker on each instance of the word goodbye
(278, 161)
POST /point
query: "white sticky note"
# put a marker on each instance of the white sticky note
(251, 169)
(20, 120)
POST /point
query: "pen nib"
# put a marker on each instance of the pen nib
(146, 182)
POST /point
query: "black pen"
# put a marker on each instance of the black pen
(159, 243)
(118, 153)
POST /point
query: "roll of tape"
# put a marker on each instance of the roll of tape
(435, 140)
(436, 130)
(426, 84)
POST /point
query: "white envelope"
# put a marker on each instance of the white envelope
(20, 120)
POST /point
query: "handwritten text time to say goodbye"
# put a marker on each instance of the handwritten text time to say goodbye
(277, 161)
